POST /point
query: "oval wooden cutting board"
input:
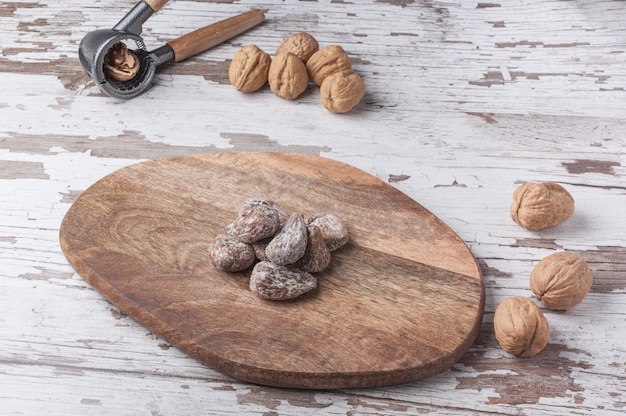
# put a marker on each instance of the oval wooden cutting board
(403, 300)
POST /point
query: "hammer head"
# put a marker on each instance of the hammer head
(93, 50)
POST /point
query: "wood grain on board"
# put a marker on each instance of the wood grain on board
(403, 300)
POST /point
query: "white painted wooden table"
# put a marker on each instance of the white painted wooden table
(465, 101)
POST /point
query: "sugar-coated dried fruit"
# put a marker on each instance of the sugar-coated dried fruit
(289, 245)
(317, 255)
(335, 233)
(259, 248)
(257, 219)
(231, 255)
(288, 248)
(276, 282)
(282, 214)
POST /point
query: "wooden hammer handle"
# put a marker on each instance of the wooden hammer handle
(209, 36)
(156, 4)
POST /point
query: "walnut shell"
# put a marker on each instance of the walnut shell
(249, 69)
(120, 63)
(287, 76)
(327, 61)
(342, 91)
(302, 44)
(520, 327)
(539, 205)
(561, 280)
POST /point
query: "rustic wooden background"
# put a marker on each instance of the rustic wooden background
(465, 101)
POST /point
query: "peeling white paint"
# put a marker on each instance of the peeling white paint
(465, 101)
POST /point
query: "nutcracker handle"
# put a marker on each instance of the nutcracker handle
(156, 5)
(212, 35)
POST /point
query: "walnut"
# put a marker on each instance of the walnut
(120, 63)
(520, 327)
(287, 76)
(302, 44)
(249, 69)
(539, 205)
(561, 280)
(342, 91)
(327, 61)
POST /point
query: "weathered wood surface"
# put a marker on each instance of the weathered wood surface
(465, 101)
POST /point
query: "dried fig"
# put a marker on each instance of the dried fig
(274, 282)
(335, 233)
(259, 248)
(289, 245)
(317, 255)
(257, 219)
(231, 255)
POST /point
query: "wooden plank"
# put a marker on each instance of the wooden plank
(465, 100)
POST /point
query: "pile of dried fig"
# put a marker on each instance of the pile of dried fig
(559, 281)
(297, 60)
(284, 249)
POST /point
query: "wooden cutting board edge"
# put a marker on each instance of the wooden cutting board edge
(270, 377)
